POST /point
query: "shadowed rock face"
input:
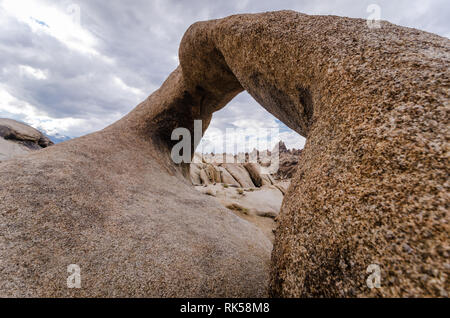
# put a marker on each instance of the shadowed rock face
(371, 186)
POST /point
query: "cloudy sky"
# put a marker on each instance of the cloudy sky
(73, 67)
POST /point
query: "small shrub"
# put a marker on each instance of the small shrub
(238, 208)
(240, 191)
(226, 186)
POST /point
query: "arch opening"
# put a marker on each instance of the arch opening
(231, 162)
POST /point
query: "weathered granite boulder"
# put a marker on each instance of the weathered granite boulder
(19, 139)
(227, 178)
(240, 174)
(259, 206)
(254, 171)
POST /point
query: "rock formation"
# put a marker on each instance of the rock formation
(254, 171)
(288, 161)
(18, 139)
(259, 206)
(371, 188)
(244, 170)
(242, 187)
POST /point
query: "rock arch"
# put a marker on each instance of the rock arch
(370, 188)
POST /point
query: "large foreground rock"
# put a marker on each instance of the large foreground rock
(371, 188)
(132, 223)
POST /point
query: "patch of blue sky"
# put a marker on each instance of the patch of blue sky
(40, 22)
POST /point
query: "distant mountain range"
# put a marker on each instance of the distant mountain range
(58, 138)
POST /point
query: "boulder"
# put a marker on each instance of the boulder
(258, 206)
(240, 174)
(10, 149)
(254, 171)
(213, 173)
(227, 178)
(19, 139)
(194, 171)
(287, 165)
(209, 173)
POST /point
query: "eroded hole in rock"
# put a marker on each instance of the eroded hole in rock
(251, 180)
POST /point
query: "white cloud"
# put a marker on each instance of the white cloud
(244, 117)
(292, 140)
(12, 107)
(122, 85)
(36, 73)
(42, 17)
(76, 69)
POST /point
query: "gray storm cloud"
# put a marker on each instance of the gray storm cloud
(73, 71)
